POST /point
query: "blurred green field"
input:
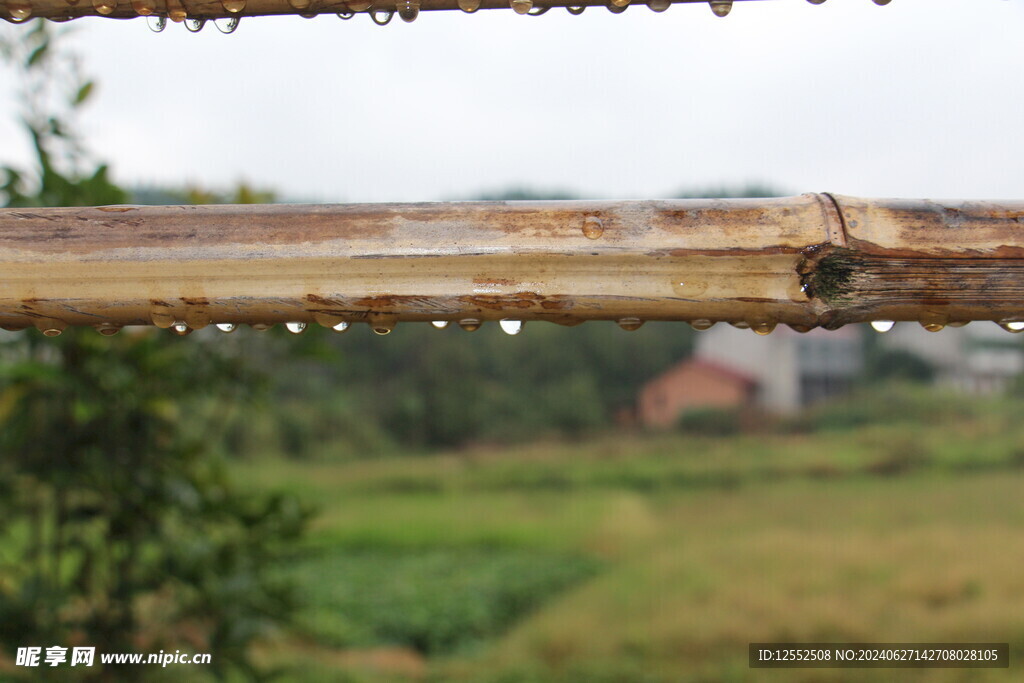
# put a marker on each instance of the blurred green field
(659, 558)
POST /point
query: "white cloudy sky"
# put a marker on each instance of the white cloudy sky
(919, 98)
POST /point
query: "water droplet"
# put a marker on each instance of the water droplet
(690, 288)
(521, 6)
(382, 323)
(659, 5)
(161, 316)
(576, 10)
(470, 324)
(932, 326)
(882, 3)
(197, 317)
(408, 10)
(469, 6)
(340, 327)
(227, 328)
(296, 327)
(104, 6)
(195, 25)
(20, 10)
(346, 15)
(720, 7)
(615, 9)
(144, 8)
(802, 329)
(537, 11)
(763, 328)
(816, 2)
(741, 324)
(299, 4)
(156, 24)
(593, 227)
(440, 324)
(360, 5)
(381, 17)
(233, 6)
(1014, 326)
(512, 327)
(620, 3)
(882, 325)
(630, 324)
(181, 328)
(227, 25)
(959, 323)
(50, 326)
(701, 324)
(108, 329)
(261, 327)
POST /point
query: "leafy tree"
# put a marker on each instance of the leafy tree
(121, 529)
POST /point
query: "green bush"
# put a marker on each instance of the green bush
(711, 422)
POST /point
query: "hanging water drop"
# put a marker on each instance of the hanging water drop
(802, 329)
(882, 325)
(381, 17)
(593, 227)
(741, 325)
(512, 327)
(720, 7)
(439, 324)
(144, 8)
(521, 6)
(933, 324)
(227, 25)
(659, 5)
(701, 324)
(51, 327)
(194, 25)
(340, 327)
(382, 323)
(630, 324)
(408, 10)
(227, 328)
(104, 6)
(816, 2)
(1014, 326)
(576, 11)
(620, 3)
(469, 6)
(882, 3)
(763, 328)
(20, 10)
(261, 327)
(108, 329)
(470, 324)
(156, 24)
(615, 9)
(161, 316)
(181, 328)
(345, 16)
(233, 6)
(295, 327)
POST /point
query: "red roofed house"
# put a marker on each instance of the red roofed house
(691, 384)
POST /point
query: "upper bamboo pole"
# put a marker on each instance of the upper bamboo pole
(807, 261)
(408, 10)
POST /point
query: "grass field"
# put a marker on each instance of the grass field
(659, 558)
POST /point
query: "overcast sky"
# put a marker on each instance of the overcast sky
(921, 98)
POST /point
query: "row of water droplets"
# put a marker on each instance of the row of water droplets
(408, 10)
(385, 324)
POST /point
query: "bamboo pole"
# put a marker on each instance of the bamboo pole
(408, 10)
(807, 261)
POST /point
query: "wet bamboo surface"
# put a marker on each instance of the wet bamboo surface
(806, 261)
(408, 10)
